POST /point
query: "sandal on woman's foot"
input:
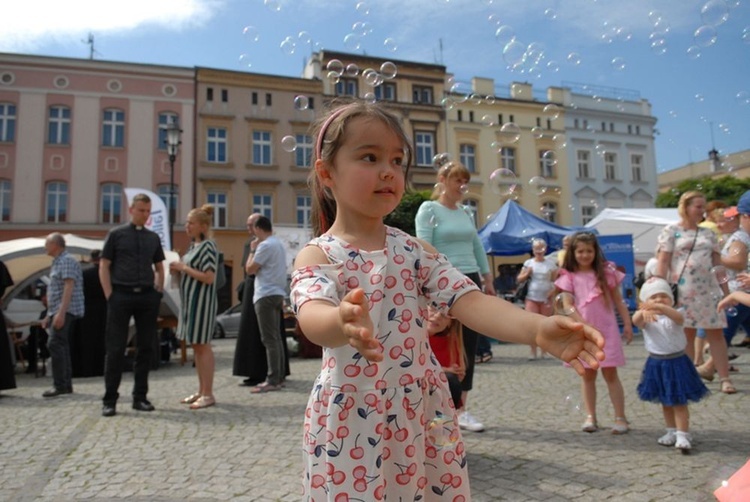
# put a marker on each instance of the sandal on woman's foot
(486, 357)
(191, 398)
(590, 424)
(621, 426)
(727, 387)
(203, 402)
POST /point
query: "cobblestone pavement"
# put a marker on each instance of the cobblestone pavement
(247, 447)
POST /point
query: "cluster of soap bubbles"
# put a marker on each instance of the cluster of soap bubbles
(336, 69)
(442, 432)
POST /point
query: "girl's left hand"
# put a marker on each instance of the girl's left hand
(627, 334)
(571, 342)
(176, 266)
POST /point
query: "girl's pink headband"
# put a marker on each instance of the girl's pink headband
(319, 143)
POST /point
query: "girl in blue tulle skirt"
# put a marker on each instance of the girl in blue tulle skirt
(669, 376)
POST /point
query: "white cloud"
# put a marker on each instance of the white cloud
(30, 24)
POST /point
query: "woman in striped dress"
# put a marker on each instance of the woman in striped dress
(199, 303)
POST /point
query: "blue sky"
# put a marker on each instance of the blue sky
(689, 59)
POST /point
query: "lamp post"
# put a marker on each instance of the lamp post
(173, 144)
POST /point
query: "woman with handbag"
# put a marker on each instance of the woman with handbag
(685, 251)
(540, 272)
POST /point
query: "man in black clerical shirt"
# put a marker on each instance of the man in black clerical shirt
(132, 275)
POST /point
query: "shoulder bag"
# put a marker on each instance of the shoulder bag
(675, 285)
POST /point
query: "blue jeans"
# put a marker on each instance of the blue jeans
(268, 309)
(741, 319)
(58, 345)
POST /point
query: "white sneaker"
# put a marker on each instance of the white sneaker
(668, 439)
(682, 442)
(469, 423)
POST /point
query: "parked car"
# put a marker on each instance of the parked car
(228, 322)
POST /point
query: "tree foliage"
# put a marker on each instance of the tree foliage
(403, 216)
(726, 188)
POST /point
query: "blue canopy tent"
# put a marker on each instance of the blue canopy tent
(510, 231)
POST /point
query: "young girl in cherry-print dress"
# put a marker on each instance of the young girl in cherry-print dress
(595, 284)
(361, 290)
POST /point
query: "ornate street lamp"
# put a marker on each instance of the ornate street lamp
(173, 144)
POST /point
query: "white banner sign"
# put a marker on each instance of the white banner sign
(159, 220)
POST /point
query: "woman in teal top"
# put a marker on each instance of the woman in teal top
(444, 223)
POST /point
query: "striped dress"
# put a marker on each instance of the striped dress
(199, 302)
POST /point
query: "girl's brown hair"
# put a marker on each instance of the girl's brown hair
(329, 133)
(204, 216)
(599, 265)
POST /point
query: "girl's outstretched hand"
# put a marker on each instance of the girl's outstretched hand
(571, 342)
(357, 326)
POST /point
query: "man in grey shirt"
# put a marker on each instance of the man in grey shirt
(268, 263)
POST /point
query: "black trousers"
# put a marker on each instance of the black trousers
(143, 308)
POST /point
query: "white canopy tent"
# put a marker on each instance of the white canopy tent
(27, 262)
(644, 224)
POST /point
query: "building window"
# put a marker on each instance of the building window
(385, 92)
(460, 114)
(254, 98)
(4, 200)
(508, 159)
(304, 207)
(224, 96)
(58, 128)
(269, 99)
(170, 198)
(57, 202)
(113, 128)
(610, 166)
(304, 151)
(471, 116)
(546, 164)
(611, 127)
(467, 157)
(584, 160)
(500, 119)
(472, 209)
(549, 211)
(111, 203)
(219, 201)
(262, 148)
(638, 129)
(636, 167)
(165, 119)
(263, 204)
(604, 126)
(575, 123)
(346, 87)
(422, 94)
(216, 144)
(425, 147)
(7, 122)
(209, 93)
(549, 123)
(630, 129)
(587, 214)
(538, 122)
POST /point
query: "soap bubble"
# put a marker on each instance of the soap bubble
(538, 183)
(552, 111)
(564, 303)
(510, 132)
(390, 45)
(335, 66)
(441, 432)
(618, 63)
(352, 70)
(289, 143)
(288, 46)
(301, 102)
(574, 58)
(388, 70)
(720, 274)
(370, 98)
(503, 182)
(730, 311)
(715, 12)
(440, 159)
(705, 36)
(250, 33)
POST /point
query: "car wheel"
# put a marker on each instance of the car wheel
(219, 332)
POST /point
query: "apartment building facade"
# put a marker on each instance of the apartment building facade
(74, 133)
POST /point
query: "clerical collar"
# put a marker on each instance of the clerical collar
(137, 227)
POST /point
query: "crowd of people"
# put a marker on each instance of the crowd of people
(403, 320)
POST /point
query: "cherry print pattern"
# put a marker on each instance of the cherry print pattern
(365, 423)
